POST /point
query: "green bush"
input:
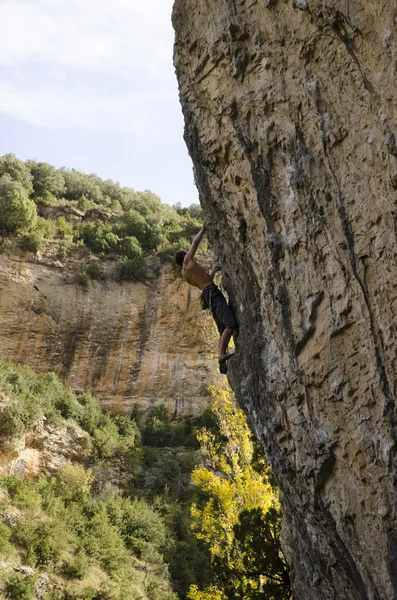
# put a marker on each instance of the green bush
(106, 438)
(46, 227)
(17, 212)
(131, 269)
(32, 242)
(65, 229)
(137, 522)
(79, 184)
(81, 278)
(90, 413)
(77, 567)
(42, 542)
(160, 432)
(22, 494)
(17, 170)
(85, 594)
(11, 422)
(47, 180)
(5, 533)
(94, 271)
(131, 247)
(20, 587)
(98, 236)
(102, 542)
(32, 396)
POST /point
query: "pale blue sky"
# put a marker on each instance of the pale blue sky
(90, 84)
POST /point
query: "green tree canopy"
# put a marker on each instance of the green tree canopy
(79, 184)
(47, 180)
(17, 170)
(17, 212)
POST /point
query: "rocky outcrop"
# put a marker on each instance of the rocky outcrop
(290, 113)
(44, 449)
(131, 343)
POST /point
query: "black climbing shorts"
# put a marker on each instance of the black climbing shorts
(221, 311)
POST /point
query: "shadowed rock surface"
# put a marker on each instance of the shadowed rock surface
(290, 119)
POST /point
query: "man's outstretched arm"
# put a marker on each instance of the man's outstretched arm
(195, 244)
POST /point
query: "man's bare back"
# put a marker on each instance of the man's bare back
(194, 274)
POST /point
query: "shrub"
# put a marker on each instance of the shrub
(42, 542)
(82, 279)
(46, 227)
(11, 422)
(22, 494)
(98, 236)
(130, 269)
(94, 271)
(106, 439)
(20, 587)
(137, 522)
(102, 542)
(47, 180)
(129, 432)
(5, 534)
(131, 247)
(79, 184)
(32, 242)
(77, 567)
(85, 594)
(84, 204)
(65, 229)
(17, 170)
(32, 396)
(147, 232)
(91, 412)
(75, 481)
(17, 212)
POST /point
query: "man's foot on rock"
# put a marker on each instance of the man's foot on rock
(222, 362)
(223, 368)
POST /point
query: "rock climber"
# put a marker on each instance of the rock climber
(212, 296)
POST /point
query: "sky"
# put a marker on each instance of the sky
(90, 85)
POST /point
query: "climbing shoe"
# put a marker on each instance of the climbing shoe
(223, 363)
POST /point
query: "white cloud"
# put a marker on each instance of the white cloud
(47, 46)
(96, 34)
(60, 108)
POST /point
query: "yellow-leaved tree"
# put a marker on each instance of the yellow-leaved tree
(240, 516)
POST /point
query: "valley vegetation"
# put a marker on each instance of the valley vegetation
(124, 522)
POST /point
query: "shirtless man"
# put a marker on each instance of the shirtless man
(223, 316)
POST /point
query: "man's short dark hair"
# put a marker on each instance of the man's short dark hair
(179, 257)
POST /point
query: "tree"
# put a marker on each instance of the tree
(17, 170)
(79, 184)
(240, 520)
(47, 180)
(131, 247)
(17, 212)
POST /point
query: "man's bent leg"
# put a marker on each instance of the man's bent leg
(225, 339)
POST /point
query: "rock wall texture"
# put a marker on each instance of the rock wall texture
(44, 449)
(129, 343)
(290, 118)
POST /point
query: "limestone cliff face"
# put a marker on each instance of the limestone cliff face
(290, 111)
(128, 342)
